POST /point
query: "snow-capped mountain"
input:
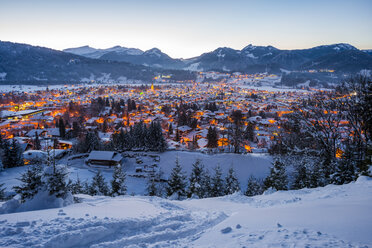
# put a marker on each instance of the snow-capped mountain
(95, 53)
(24, 63)
(340, 57)
(152, 57)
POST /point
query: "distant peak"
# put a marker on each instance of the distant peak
(154, 50)
(251, 47)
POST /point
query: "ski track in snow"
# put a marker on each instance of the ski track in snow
(166, 230)
(229, 221)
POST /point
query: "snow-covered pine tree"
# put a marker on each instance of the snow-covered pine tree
(217, 183)
(196, 188)
(86, 188)
(118, 186)
(346, 169)
(55, 180)
(277, 178)
(207, 184)
(151, 188)
(254, 187)
(301, 176)
(177, 182)
(2, 192)
(12, 154)
(232, 183)
(154, 184)
(98, 186)
(37, 145)
(31, 182)
(316, 175)
(77, 187)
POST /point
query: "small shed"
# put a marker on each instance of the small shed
(106, 158)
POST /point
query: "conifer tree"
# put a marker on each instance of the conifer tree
(217, 183)
(154, 185)
(151, 188)
(232, 183)
(118, 186)
(177, 138)
(249, 132)
(31, 182)
(37, 144)
(62, 128)
(277, 178)
(55, 180)
(13, 155)
(254, 187)
(207, 185)
(170, 130)
(177, 182)
(196, 188)
(212, 138)
(77, 187)
(346, 169)
(2, 191)
(301, 177)
(98, 186)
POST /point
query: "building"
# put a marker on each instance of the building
(105, 158)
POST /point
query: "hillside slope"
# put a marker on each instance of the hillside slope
(332, 216)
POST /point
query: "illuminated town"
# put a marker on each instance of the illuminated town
(28, 113)
(177, 124)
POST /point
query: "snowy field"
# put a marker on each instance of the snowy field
(332, 216)
(245, 165)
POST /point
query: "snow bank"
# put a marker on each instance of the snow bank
(331, 216)
(42, 200)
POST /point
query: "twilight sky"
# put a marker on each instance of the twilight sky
(186, 28)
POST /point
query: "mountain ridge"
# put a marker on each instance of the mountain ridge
(251, 58)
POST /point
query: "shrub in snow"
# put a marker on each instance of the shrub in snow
(232, 183)
(277, 178)
(98, 186)
(176, 188)
(254, 187)
(118, 186)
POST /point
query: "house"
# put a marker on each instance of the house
(106, 158)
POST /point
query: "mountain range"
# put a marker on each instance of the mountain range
(339, 57)
(26, 64)
(22, 63)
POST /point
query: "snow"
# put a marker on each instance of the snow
(2, 76)
(331, 216)
(193, 67)
(244, 165)
(250, 55)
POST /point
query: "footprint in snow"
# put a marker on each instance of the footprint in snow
(238, 226)
(226, 230)
(279, 226)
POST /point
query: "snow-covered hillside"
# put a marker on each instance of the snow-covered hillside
(332, 216)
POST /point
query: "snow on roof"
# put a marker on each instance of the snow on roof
(104, 155)
(31, 154)
(33, 132)
(184, 128)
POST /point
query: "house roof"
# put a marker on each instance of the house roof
(104, 155)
